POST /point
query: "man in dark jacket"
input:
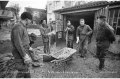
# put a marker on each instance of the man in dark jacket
(83, 32)
(20, 42)
(104, 37)
(69, 34)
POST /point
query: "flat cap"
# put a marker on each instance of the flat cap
(101, 17)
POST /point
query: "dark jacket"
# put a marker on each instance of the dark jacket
(44, 31)
(104, 33)
(20, 41)
(83, 30)
(70, 32)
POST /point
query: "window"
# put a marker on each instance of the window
(110, 21)
(114, 18)
(111, 13)
(114, 25)
(57, 2)
(116, 13)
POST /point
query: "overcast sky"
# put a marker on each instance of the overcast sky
(40, 4)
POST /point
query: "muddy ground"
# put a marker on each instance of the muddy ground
(77, 67)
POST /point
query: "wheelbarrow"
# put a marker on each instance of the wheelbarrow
(63, 56)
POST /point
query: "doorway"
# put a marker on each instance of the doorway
(75, 17)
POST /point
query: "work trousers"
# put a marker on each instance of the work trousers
(46, 47)
(70, 43)
(83, 44)
(23, 69)
(102, 48)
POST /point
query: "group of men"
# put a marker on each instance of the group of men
(21, 42)
(104, 37)
(83, 32)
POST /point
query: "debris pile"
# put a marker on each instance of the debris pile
(7, 67)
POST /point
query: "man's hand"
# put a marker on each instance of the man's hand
(88, 34)
(27, 59)
(30, 48)
(77, 40)
(54, 32)
(51, 33)
(67, 29)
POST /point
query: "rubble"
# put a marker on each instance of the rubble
(7, 68)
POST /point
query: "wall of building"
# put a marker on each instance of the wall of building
(51, 6)
(55, 5)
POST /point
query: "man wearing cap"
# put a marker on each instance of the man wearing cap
(104, 37)
(20, 41)
(83, 31)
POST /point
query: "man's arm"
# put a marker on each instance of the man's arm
(72, 28)
(110, 35)
(89, 30)
(77, 34)
(42, 31)
(66, 29)
(18, 42)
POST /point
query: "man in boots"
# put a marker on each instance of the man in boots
(104, 37)
(83, 32)
(69, 30)
(20, 41)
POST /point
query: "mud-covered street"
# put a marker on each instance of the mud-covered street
(77, 67)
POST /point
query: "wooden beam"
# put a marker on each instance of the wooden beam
(94, 9)
(110, 7)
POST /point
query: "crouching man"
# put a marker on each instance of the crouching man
(20, 41)
(104, 37)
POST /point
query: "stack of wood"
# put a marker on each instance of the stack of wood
(7, 67)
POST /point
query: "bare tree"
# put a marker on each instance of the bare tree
(15, 9)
